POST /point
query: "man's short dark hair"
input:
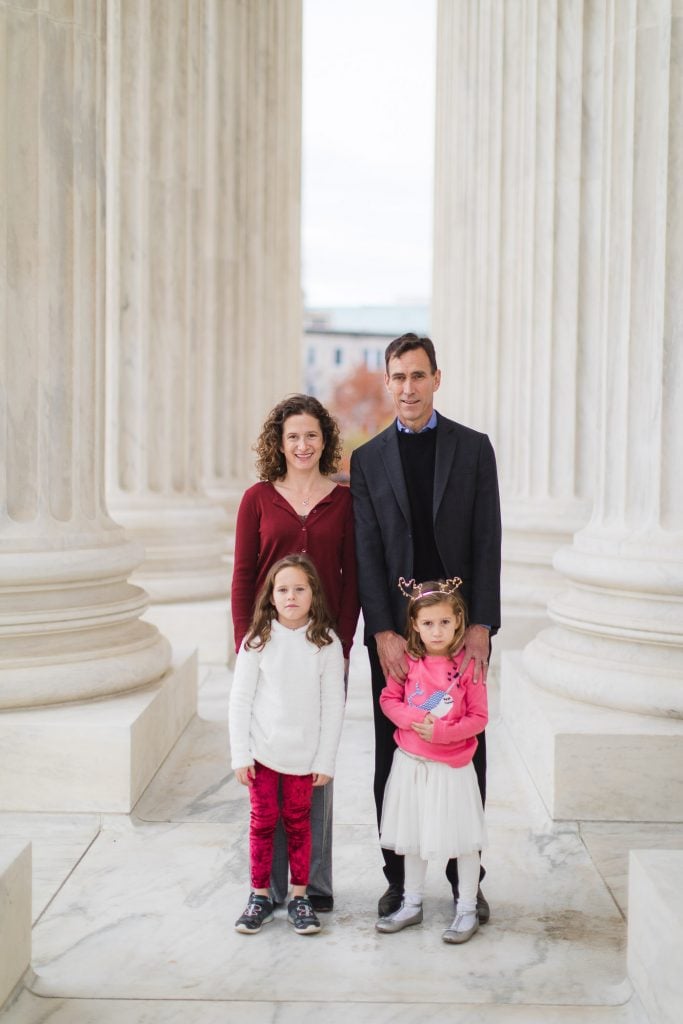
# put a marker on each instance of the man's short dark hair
(407, 343)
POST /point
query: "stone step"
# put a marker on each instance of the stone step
(15, 913)
(655, 932)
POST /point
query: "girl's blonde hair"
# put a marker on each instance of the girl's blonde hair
(320, 624)
(433, 596)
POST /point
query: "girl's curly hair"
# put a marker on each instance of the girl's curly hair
(457, 605)
(320, 622)
(270, 460)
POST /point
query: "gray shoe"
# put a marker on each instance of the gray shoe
(456, 934)
(391, 924)
(483, 909)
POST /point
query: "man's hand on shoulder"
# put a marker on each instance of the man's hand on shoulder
(476, 646)
(391, 650)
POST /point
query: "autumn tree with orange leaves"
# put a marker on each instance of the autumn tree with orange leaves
(362, 407)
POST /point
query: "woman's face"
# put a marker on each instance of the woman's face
(302, 442)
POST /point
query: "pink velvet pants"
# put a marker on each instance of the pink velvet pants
(264, 792)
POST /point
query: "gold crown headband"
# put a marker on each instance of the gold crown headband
(416, 592)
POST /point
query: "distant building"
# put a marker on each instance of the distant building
(337, 341)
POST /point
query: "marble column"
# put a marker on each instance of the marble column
(515, 266)
(604, 684)
(70, 626)
(250, 213)
(156, 348)
(70, 620)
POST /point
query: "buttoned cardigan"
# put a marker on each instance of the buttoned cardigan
(268, 528)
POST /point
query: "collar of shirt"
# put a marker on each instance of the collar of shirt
(431, 423)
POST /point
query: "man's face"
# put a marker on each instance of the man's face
(411, 384)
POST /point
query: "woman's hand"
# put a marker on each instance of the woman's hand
(320, 780)
(245, 775)
(425, 728)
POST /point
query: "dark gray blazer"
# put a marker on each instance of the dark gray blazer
(467, 526)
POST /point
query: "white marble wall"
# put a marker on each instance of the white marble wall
(516, 242)
(70, 623)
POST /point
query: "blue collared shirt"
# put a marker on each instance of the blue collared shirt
(429, 425)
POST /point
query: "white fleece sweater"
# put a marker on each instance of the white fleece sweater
(287, 704)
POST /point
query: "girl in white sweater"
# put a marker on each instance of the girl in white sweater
(286, 711)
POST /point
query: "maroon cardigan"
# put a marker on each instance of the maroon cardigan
(268, 528)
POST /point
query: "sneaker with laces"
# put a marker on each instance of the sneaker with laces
(301, 914)
(258, 911)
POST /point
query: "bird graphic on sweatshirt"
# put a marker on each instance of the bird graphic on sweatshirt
(438, 703)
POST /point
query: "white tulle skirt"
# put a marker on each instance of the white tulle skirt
(431, 809)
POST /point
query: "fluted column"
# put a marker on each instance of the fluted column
(617, 638)
(515, 260)
(250, 212)
(615, 647)
(553, 393)
(70, 624)
(156, 349)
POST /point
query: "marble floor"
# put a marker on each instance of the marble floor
(133, 914)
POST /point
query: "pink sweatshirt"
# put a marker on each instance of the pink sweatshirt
(434, 685)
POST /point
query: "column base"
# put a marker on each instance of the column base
(206, 625)
(15, 913)
(592, 763)
(96, 755)
(519, 627)
(655, 910)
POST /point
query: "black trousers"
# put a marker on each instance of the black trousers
(384, 755)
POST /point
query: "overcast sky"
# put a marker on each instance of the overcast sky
(368, 151)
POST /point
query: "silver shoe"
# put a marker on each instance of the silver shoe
(391, 924)
(456, 934)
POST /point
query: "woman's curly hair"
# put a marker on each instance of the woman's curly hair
(270, 460)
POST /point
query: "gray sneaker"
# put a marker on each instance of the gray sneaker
(258, 911)
(301, 914)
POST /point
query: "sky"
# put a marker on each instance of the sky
(368, 151)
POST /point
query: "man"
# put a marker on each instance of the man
(426, 506)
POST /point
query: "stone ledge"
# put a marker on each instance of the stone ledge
(15, 913)
(591, 763)
(655, 932)
(96, 755)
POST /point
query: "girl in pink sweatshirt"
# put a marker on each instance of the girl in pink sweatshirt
(432, 807)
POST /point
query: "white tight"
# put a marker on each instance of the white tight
(468, 879)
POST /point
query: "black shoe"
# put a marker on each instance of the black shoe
(301, 914)
(323, 904)
(390, 901)
(259, 911)
(483, 909)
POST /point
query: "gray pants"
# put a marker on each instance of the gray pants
(320, 876)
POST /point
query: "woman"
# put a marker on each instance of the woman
(296, 507)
